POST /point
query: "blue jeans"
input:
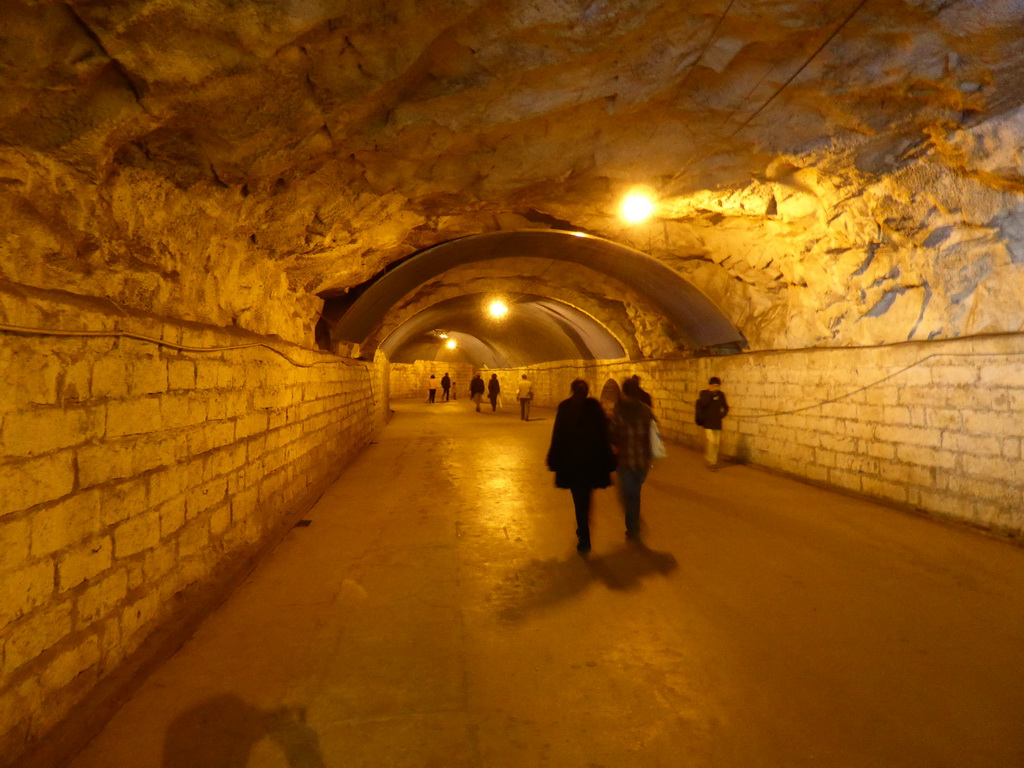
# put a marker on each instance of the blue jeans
(630, 482)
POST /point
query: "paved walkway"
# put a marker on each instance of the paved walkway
(436, 613)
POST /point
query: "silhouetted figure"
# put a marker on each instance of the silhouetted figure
(643, 396)
(711, 409)
(580, 454)
(525, 395)
(446, 385)
(221, 732)
(431, 388)
(631, 437)
(493, 390)
(476, 390)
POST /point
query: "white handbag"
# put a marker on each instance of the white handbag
(657, 445)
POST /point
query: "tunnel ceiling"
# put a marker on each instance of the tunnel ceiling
(828, 173)
(535, 330)
(692, 317)
(630, 317)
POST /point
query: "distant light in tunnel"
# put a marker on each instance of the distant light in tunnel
(637, 206)
(451, 344)
(497, 309)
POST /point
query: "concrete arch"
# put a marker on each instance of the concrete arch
(634, 322)
(536, 330)
(698, 321)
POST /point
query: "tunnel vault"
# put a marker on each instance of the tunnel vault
(684, 314)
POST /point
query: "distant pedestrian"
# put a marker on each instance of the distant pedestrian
(431, 388)
(642, 396)
(581, 455)
(631, 438)
(455, 395)
(711, 409)
(446, 385)
(525, 395)
(493, 390)
(476, 390)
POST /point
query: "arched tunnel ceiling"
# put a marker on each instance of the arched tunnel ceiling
(635, 322)
(695, 318)
(829, 173)
(535, 330)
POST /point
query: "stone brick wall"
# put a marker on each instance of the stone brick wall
(410, 379)
(935, 426)
(133, 475)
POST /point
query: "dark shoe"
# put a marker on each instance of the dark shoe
(633, 535)
(583, 548)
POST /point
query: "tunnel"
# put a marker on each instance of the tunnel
(241, 241)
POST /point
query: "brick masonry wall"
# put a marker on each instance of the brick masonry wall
(410, 379)
(934, 426)
(132, 473)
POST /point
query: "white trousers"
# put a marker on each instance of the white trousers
(712, 440)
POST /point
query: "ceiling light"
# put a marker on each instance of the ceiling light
(637, 206)
(451, 343)
(497, 309)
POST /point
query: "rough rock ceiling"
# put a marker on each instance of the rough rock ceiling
(835, 173)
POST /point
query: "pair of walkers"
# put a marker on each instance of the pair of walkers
(432, 382)
(586, 448)
(477, 389)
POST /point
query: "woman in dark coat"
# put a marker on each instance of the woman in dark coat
(581, 455)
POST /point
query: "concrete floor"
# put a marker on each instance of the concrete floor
(436, 613)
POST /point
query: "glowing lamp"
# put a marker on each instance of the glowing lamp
(637, 207)
(497, 309)
(451, 343)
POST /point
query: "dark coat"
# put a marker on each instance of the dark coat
(476, 386)
(644, 397)
(446, 382)
(581, 453)
(711, 409)
(493, 388)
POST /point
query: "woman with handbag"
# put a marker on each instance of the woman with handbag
(631, 428)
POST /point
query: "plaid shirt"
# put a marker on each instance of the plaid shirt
(631, 434)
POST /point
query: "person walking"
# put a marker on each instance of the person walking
(431, 388)
(711, 409)
(631, 439)
(446, 384)
(525, 395)
(493, 390)
(580, 454)
(476, 390)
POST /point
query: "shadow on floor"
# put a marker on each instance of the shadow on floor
(222, 731)
(541, 584)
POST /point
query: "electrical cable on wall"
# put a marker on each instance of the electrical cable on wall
(14, 329)
(872, 384)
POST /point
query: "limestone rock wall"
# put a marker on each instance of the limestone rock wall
(134, 475)
(822, 253)
(226, 165)
(932, 426)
